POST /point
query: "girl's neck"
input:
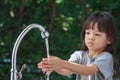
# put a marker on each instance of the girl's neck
(93, 54)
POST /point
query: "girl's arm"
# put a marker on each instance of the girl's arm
(62, 71)
(79, 68)
(64, 67)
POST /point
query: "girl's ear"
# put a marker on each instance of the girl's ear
(109, 41)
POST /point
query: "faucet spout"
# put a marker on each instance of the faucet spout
(44, 34)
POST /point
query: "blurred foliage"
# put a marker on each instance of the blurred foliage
(63, 19)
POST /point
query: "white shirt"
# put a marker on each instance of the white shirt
(104, 62)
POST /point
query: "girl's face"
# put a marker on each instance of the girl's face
(95, 40)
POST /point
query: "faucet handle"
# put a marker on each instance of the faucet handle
(19, 74)
(22, 68)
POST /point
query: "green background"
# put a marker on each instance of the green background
(63, 19)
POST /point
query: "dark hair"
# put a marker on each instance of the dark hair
(106, 24)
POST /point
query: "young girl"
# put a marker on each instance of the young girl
(95, 60)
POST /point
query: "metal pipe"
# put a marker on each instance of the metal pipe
(44, 34)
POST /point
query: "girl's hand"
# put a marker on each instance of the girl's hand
(50, 64)
(43, 65)
(53, 63)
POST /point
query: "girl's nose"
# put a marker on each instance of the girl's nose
(91, 37)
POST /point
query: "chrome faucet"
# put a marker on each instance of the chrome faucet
(44, 34)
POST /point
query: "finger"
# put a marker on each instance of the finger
(39, 65)
(45, 59)
(42, 64)
(48, 72)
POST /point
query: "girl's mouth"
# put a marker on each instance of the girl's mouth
(90, 43)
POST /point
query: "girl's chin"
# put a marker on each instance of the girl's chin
(92, 49)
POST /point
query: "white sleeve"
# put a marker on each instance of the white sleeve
(104, 62)
(76, 57)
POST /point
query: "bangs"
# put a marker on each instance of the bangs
(101, 25)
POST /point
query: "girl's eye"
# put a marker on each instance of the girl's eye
(97, 34)
(87, 32)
